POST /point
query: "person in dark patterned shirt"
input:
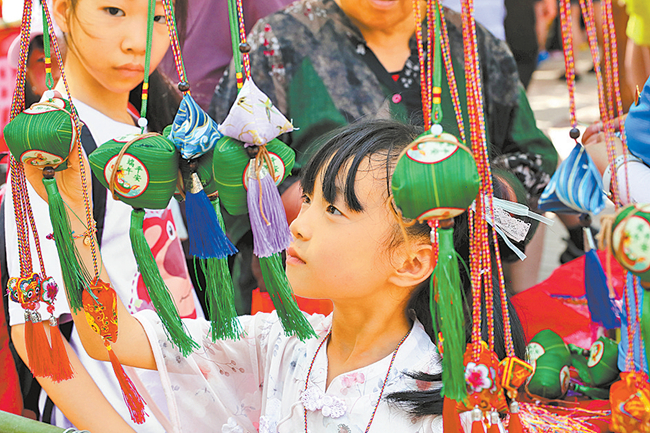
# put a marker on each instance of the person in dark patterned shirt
(326, 63)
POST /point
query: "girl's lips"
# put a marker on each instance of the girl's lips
(134, 67)
(383, 4)
(131, 69)
(293, 258)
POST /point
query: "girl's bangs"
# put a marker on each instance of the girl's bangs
(338, 159)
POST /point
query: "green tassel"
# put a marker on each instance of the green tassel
(75, 275)
(277, 285)
(220, 293)
(158, 291)
(446, 304)
(220, 297)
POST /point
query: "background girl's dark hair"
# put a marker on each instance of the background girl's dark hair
(31, 97)
(164, 96)
(381, 141)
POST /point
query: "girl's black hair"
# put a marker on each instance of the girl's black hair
(381, 141)
(31, 97)
(163, 103)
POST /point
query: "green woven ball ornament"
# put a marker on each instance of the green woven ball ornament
(43, 134)
(547, 341)
(602, 361)
(630, 243)
(146, 177)
(436, 179)
(147, 171)
(551, 378)
(631, 239)
(230, 165)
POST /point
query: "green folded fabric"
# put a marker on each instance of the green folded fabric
(230, 163)
(147, 173)
(42, 135)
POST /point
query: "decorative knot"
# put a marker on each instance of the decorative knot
(314, 399)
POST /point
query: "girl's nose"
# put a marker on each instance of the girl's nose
(300, 225)
(135, 41)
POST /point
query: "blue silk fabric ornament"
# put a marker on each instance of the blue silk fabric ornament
(637, 126)
(576, 186)
(193, 132)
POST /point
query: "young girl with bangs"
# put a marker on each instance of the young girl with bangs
(104, 68)
(373, 366)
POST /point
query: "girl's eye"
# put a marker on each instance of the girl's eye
(116, 12)
(160, 19)
(305, 199)
(333, 210)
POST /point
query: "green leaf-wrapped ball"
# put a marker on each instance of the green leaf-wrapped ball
(631, 239)
(551, 378)
(435, 178)
(602, 361)
(43, 134)
(231, 162)
(147, 173)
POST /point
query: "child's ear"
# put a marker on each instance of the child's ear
(62, 11)
(415, 267)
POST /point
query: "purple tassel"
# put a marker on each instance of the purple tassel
(271, 232)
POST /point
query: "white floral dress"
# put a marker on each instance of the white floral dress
(256, 383)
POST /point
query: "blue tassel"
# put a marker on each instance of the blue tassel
(207, 239)
(600, 305)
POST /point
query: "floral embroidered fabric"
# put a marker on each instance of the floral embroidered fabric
(257, 383)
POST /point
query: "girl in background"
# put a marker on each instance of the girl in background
(104, 66)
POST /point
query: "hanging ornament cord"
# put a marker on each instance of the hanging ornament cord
(270, 235)
(482, 266)
(240, 47)
(431, 64)
(611, 52)
(156, 287)
(219, 290)
(172, 29)
(634, 332)
(608, 106)
(142, 121)
(44, 361)
(80, 273)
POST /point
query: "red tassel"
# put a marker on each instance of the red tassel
(515, 425)
(450, 417)
(61, 368)
(132, 398)
(38, 349)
